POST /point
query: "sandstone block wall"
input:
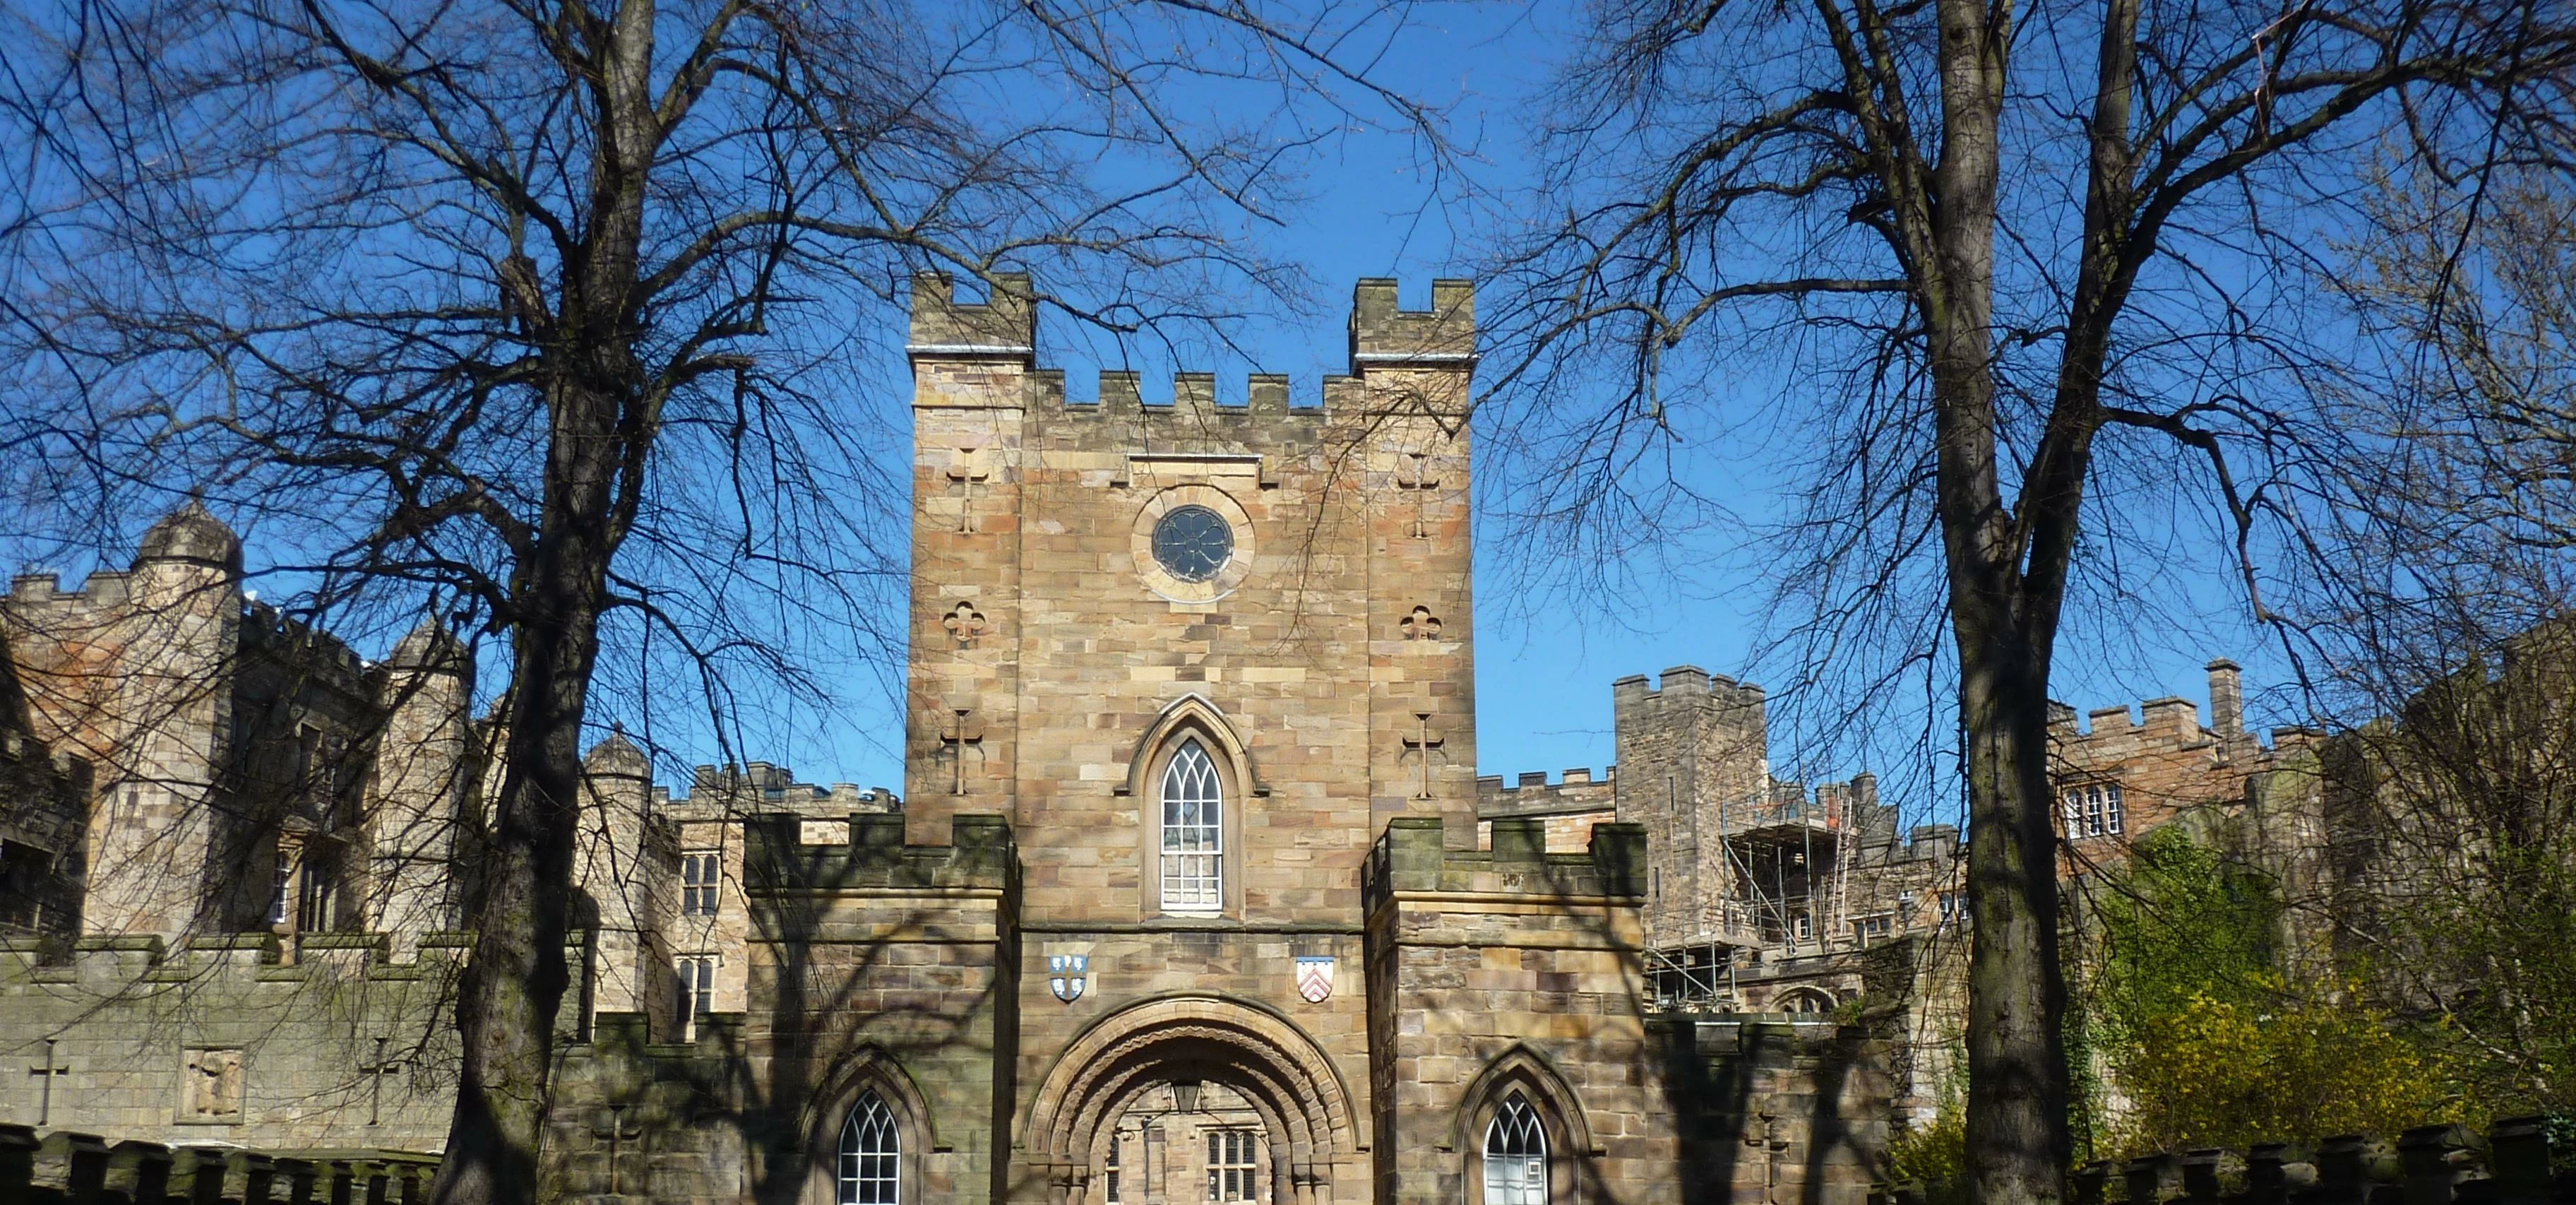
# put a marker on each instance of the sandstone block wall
(1777, 1112)
(221, 1041)
(1505, 970)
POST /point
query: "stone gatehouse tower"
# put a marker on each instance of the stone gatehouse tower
(1186, 896)
(1203, 671)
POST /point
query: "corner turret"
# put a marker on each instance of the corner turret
(192, 534)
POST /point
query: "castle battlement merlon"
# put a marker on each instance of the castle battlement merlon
(2166, 721)
(723, 792)
(266, 630)
(37, 592)
(1411, 857)
(980, 855)
(1003, 324)
(1383, 334)
(1682, 686)
(1533, 794)
(1194, 397)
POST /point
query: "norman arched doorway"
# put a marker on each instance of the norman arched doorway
(1181, 1098)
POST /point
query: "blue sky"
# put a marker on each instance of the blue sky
(1545, 657)
(1543, 670)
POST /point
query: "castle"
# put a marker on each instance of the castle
(1190, 890)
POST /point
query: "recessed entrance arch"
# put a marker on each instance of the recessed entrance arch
(1178, 1044)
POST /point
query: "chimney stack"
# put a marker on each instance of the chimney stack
(2226, 699)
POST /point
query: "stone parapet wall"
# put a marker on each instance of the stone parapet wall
(2511, 1164)
(67, 1167)
(234, 1039)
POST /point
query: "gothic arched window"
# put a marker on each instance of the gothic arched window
(1805, 1001)
(871, 1170)
(1515, 1155)
(1193, 832)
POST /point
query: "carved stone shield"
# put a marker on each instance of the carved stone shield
(1067, 975)
(1315, 979)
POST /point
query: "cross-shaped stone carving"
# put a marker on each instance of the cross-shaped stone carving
(47, 1074)
(1421, 625)
(619, 1130)
(1415, 475)
(967, 468)
(376, 1073)
(964, 623)
(1424, 743)
(955, 738)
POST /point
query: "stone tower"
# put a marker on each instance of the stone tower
(1101, 586)
(133, 673)
(1694, 762)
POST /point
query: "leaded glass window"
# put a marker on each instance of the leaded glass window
(700, 880)
(871, 1170)
(1230, 1165)
(2094, 811)
(1193, 832)
(697, 991)
(1515, 1155)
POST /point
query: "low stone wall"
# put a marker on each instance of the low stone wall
(1775, 1110)
(2428, 1165)
(61, 1167)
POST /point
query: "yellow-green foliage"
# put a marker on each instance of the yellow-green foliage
(2203, 1041)
(1934, 1154)
(2215, 1073)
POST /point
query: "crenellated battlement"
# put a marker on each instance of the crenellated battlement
(1193, 397)
(1682, 686)
(1532, 794)
(717, 792)
(777, 858)
(957, 344)
(37, 594)
(1411, 857)
(266, 630)
(1003, 324)
(72, 1168)
(215, 959)
(1385, 334)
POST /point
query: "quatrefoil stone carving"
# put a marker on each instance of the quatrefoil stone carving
(1421, 625)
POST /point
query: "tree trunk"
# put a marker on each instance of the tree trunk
(514, 984)
(2016, 1108)
(2017, 1074)
(514, 987)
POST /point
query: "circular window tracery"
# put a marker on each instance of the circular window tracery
(1193, 543)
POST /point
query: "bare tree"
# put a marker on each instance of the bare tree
(2003, 261)
(535, 315)
(2442, 642)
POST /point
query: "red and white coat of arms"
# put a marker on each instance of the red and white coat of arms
(1315, 979)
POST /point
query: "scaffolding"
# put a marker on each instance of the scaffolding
(1788, 873)
(1784, 892)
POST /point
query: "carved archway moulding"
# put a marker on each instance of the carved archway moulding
(868, 1068)
(1525, 1069)
(1252, 1050)
(1191, 714)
